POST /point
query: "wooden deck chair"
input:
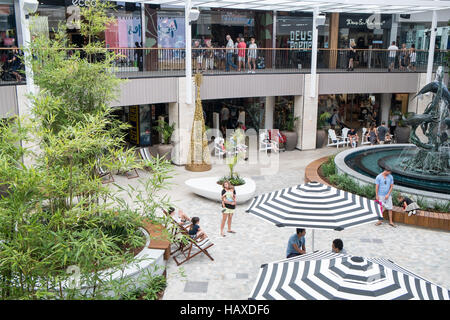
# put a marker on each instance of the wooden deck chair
(128, 172)
(145, 155)
(102, 172)
(192, 249)
(180, 228)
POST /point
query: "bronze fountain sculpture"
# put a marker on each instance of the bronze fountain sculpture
(433, 156)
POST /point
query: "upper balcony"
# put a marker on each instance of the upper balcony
(158, 62)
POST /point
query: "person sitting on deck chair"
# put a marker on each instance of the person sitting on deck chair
(195, 232)
(180, 217)
(296, 244)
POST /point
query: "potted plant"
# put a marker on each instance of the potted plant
(322, 123)
(288, 129)
(402, 131)
(233, 177)
(165, 148)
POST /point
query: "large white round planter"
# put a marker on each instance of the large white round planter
(208, 188)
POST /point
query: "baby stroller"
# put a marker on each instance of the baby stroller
(260, 64)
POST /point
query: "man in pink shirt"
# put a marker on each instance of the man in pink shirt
(241, 54)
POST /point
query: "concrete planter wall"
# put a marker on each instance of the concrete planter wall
(208, 188)
(148, 260)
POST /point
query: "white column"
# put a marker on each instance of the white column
(308, 116)
(26, 38)
(314, 53)
(188, 65)
(432, 44)
(216, 120)
(183, 115)
(268, 114)
(385, 106)
(394, 28)
(298, 112)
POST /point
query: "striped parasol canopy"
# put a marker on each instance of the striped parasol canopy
(316, 206)
(327, 275)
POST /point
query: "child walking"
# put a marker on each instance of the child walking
(408, 205)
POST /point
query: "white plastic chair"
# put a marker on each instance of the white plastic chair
(364, 138)
(345, 135)
(333, 140)
(266, 144)
(218, 150)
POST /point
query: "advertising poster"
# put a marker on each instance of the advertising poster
(171, 32)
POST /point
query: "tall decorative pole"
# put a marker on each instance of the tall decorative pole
(199, 154)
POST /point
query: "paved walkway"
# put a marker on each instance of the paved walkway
(238, 256)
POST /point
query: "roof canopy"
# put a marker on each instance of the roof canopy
(351, 6)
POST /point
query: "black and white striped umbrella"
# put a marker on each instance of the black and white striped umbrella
(327, 275)
(316, 206)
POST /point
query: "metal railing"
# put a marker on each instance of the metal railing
(154, 62)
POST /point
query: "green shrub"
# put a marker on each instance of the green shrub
(236, 180)
(329, 167)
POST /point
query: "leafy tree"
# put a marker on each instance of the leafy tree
(55, 212)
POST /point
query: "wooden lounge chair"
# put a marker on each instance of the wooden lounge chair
(145, 155)
(192, 249)
(102, 172)
(128, 172)
(182, 228)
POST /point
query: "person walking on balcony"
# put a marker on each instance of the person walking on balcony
(412, 58)
(252, 53)
(229, 50)
(209, 56)
(351, 56)
(197, 55)
(403, 58)
(392, 53)
(242, 46)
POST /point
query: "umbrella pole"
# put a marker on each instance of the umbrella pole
(313, 240)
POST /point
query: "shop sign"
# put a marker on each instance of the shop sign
(237, 20)
(133, 118)
(299, 30)
(374, 21)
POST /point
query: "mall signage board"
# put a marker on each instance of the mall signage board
(365, 21)
(299, 30)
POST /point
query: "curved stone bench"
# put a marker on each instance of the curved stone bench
(208, 188)
(427, 219)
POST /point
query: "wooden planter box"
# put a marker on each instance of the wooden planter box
(158, 240)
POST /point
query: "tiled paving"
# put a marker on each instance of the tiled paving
(238, 257)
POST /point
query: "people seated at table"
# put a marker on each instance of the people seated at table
(337, 246)
(296, 244)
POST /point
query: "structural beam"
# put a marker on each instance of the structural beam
(432, 45)
(314, 53)
(188, 65)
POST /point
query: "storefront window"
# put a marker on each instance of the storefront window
(125, 32)
(8, 33)
(214, 25)
(355, 110)
(365, 30)
(284, 109)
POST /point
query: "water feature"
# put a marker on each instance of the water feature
(423, 166)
